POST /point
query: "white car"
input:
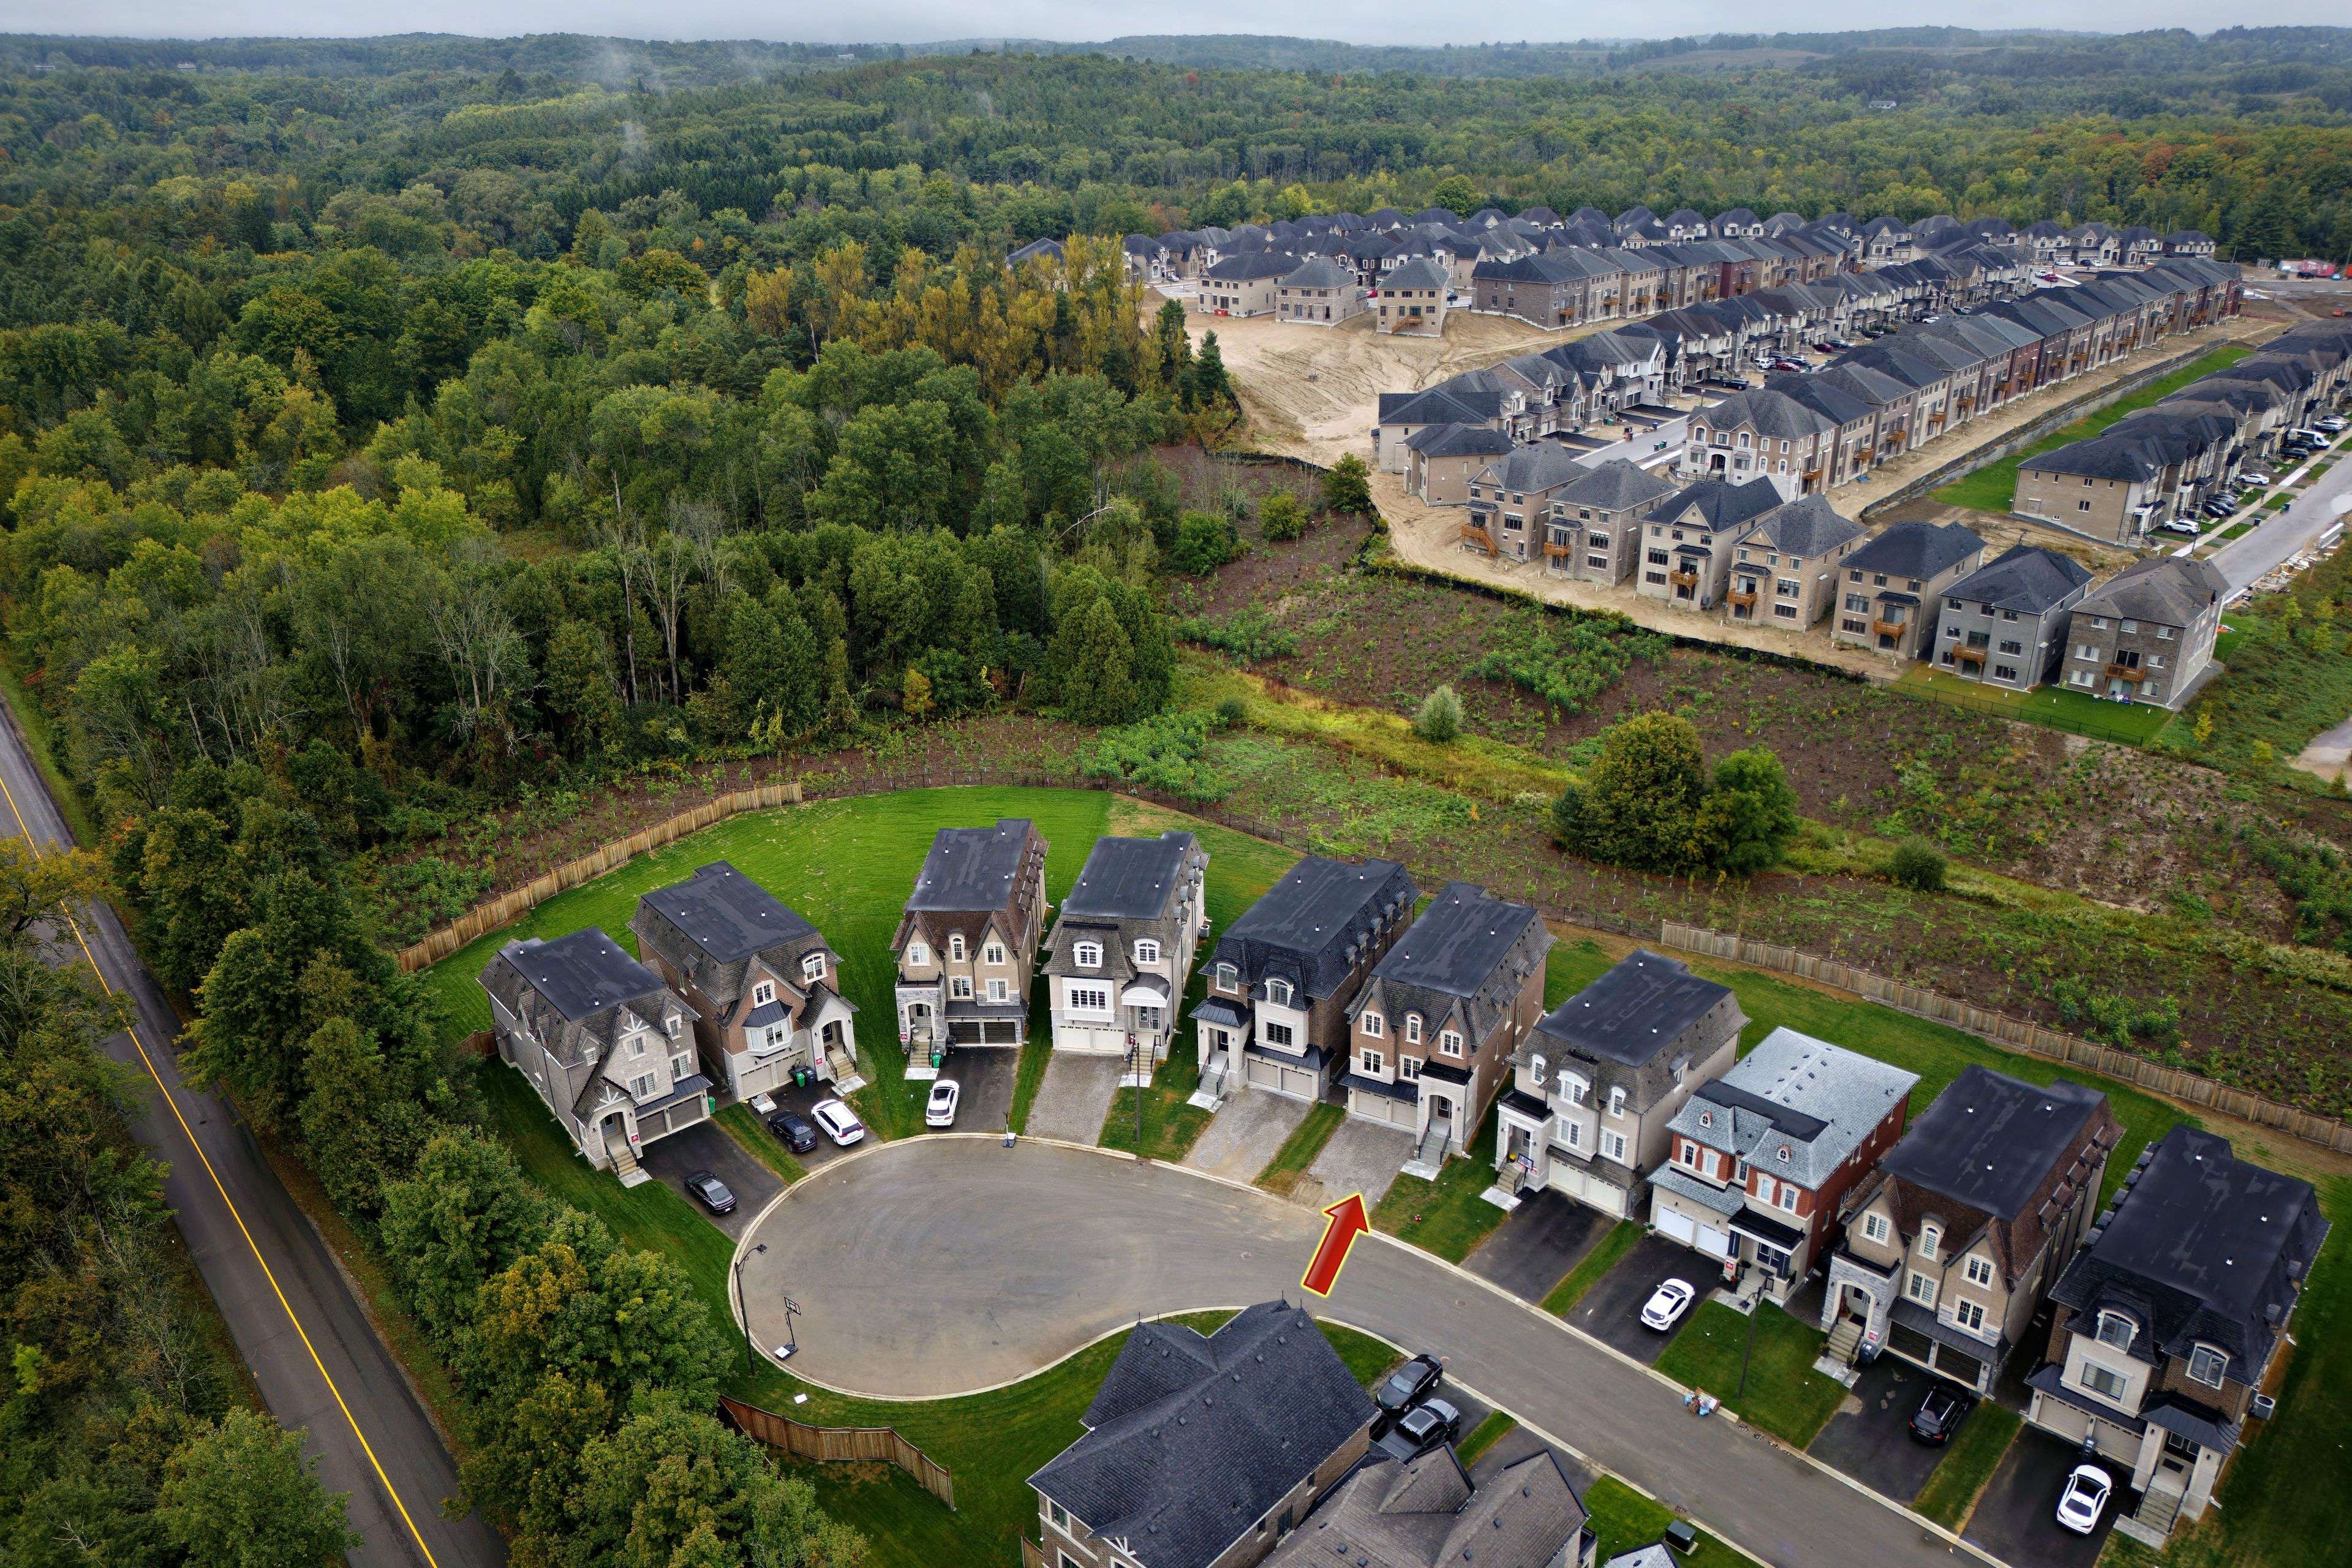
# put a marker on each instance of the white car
(840, 1123)
(2084, 1499)
(2331, 425)
(941, 1109)
(1666, 1305)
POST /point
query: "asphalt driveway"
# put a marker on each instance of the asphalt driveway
(1869, 1438)
(801, 1101)
(985, 1075)
(999, 1261)
(1074, 1096)
(707, 1146)
(1612, 1310)
(2017, 1518)
(1534, 1250)
(1245, 1133)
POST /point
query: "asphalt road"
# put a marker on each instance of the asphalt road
(997, 1262)
(2246, 559)
(312, 1347)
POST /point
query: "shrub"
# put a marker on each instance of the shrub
(1347, 487)
(1567, 660)
(1203, 543)
(1282, 516)
(1440, 719)
(1750, 815)
(1248, 635)
(1168, 753)
(1917, 864)
(1231, 712)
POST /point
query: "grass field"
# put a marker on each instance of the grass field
(1993, 488)
(1298, 1150)
(740, 1123)
(1623, 1519)
(1446, 1217)
(1968, 1465)
(1781, 1392)
(1483, 1436)
(2129, 723)
(1592, 1265)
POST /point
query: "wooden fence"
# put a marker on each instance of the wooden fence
(841, 1444)
(490, 915)
(2016, 1034)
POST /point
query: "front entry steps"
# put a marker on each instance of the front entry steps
(1211, 1092)
(1427, 1159)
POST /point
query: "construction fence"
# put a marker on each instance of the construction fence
(841, 1444)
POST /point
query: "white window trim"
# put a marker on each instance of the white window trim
(1373, 1025)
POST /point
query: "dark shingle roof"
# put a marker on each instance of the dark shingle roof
(1308, 924)
(1421, 273)
(1319, 273)
(1633, 1010)
(972, 868)
(1129, 878)
(1806, 526)
(582, 974)
(1989, 1140)
(1191, 1440)
(2024, 578)
(1718, 504)
(726, 914)
(1616, 486)
(1457, 940)
(2163, 588)
(1915, 549)
(1459, 441)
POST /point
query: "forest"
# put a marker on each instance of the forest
(390, 427)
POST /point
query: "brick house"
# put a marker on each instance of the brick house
(1785, 572)
(2006, 624)
(2146, 634)
(1894, 586)
(1122, 950)
(1688, 539)
(1593, 530)
(1412, 298)
(968, 942)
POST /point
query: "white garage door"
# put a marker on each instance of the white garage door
(1713, 1242)
(1676, 1227)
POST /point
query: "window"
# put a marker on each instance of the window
(1412, 1029)
(918, 955)
(1979, 1270)
(955, 948)
(762, 993)
(1575, 1135)
(1087, 955)
(959, 988)
(2206, 1365)
(1789, 1198)
(1612, 1144)
(1228, 977)
(996, 991)
(681, 1068)
(1449, 1042)
(993, 954)
(2105, 1382)
(1969, 1315)
(1279, 993)
(1277, 1034)
(1409, 1068)
(1146, 952)
(1373, 1061)
(812, 967)
(1572, 1088)
(636, 1045)
(1765, 1187)
(1374, 1026)
(1617, 1100)
(2116, 1330)
(1090, 999)
(1058, 1514)
(1874, 1227)
(1920, 1288)
(642, 1086)
(1930, 1236)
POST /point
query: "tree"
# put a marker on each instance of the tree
(1917, 864)
(1347, 487)
(1094, 658)
(1282, 516)
(1440, 717)
(915, 694)
(464, 1214)
(1750, 815)
(1206, 383)
(1204, 541)
(1456, 193)
(1639, 803)
(241, 1495)
(579, 691)
(360, 1132)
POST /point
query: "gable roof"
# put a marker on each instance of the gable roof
(1541, 466)
(1191, 1440)
(1319, 273)
(1427, 1512)
(1459, 441)
(579, 975)
(1718, 504)
(1616, 485)
(1768, 412)
(2024, 578)
(726, 914)
(1421, 273)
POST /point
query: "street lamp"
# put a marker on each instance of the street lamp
(743, 1312)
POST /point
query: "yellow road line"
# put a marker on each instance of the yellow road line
(131, 1028)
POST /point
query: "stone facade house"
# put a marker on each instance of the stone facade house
(1511, 500)
(968, 940)
(2109, 488)
(1321, 292)
(1688, 540)
(1442, 462)
(1203, 1451)
(1122, 950)
(1593, 531)
(1950, 1244)
(606, 1045)
(2006, 624)
(2146, 634)
(1596, 1082)
(1283, 975)
(2171, 1319)
(1412, 298)
(763, 984)
(1763, 1157)
(1431, 1035)
(1427, 1512)
(1247, 284)
(1762, 434)
(1894, 586)
(1785, 572)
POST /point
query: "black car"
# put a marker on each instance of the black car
(796, 1131)
(1939, 1414)
(714, 1192)
(1411, 1384)
(1421, 1428)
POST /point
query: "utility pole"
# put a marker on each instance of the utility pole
(751, 1362)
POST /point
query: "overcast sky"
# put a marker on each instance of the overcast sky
(912, 21)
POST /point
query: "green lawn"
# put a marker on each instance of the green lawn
(1592, 1265)
(2130, 724)
(991, 1442)
(1036, 1056)
(1446, 1217)
(1483, 1436)
(1782, 1393)
(1623, 1519)
(1298, 1150)
(1968, 1465)
(741, 1123)
(1993, 488)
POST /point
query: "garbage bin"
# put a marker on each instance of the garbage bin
(802, 1078)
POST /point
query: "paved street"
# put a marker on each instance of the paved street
(313, 1350)
(2246, 559)
(997, 1262)
(707, 1146)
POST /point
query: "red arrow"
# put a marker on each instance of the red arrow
(1347, 1222)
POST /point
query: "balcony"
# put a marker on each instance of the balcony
(1681, 579)
(1743, 597)
(2130, 672)
(1969, 655)
(1811, 472)
(1890, 629)
(1557, 548)
(1474, 537)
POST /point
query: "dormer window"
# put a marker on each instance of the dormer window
(812, 967)
(1412, 1029)
(918, 955)
(1449, 1042)
(763, 993)
(1784, 1153)
(1875, 1227)
(955, 948)
(1146, 952)
(1087, 955)
(1707, 1118)
(1535, 1064)
(2208, 1364)
(1617, 1100)
(1930, 1236)
(2117, 1330)
(1279, 993)
(1373, 1025)
(993, 954)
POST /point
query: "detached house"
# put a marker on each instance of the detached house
(1764, 1156)
(1433, 1030)
(606, 1045)
(1602, 1075)
(1594, 530)
(1785, 573)
(2006, 624)
(967, 940)
(1283, 975)
(763, 984)
(1320, 290)
(1428, 1513)
(1950, 1244)
(2146, 634)
(1121, 952)
(1203, 1451)
(2170, 1318)
(1895, 585)
(1412, 298)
